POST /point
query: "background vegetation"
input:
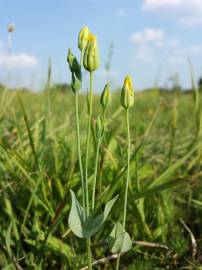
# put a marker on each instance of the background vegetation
(38, 166)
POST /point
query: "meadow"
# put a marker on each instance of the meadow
(40, 164)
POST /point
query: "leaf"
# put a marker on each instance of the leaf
(54, 244)
(87, 227)
(76, 216)
(119, 240)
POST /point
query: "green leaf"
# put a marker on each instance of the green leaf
(54, 244)
(119, 240)
(87, 227)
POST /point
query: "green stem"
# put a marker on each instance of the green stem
(86, 162)
(81, 58)
(95, 174)
(89, 254)
(101, 159)
(79, 149)
(88, 141)
(127, 182)
(128, 171)
(118, 261)
(96, 164)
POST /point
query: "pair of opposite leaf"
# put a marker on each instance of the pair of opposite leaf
(85, 227)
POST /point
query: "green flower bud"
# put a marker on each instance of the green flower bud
(70, 58)
(105, 96)
(76, 82)
(76, 71)
(127, 93)
(91, 55)
(99, 129)
(83, 38)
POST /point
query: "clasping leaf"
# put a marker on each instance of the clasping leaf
(87, 227)
(119, 240)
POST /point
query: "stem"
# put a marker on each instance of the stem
(88, 140)
(86, 164)
(79, 149)
(172, 143)
(118, 261)
(95, 175)
(103, 117)
(128, 171)
(96, 164)
(81, 58)
(89, 254)
(127, 182)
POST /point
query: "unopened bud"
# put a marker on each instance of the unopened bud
(99, 128)
(91, 55)
(76, 71)
(83, 38)
(70, 58)
(127, 93)
(105, 96)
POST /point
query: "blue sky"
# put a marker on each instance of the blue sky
(152, 39)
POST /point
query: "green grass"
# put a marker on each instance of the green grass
(39, 164)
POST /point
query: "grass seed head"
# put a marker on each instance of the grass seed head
(11, 28)
(127, 93)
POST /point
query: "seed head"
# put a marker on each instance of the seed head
(105, 96)
(11, 27)
(91, 55)
(127, 93)
(83, 38)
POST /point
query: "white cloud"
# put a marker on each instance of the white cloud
(108, 74)
(121, 13)
(145, 54)
(149, 35)
(152, 45)
(183, 4)
(20, 60)
(174, 59)
(146, 42)
(156, 4)
(188, 12)
(191, 20)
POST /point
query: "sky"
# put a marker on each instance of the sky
(152, 40)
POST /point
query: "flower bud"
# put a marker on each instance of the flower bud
(91, 55)
(76, 82)
(99, 129)
(76, 71)
(70, 58)
(83, 38)
(105, 96)
(127, 93)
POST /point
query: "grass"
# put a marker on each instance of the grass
(39, 164)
